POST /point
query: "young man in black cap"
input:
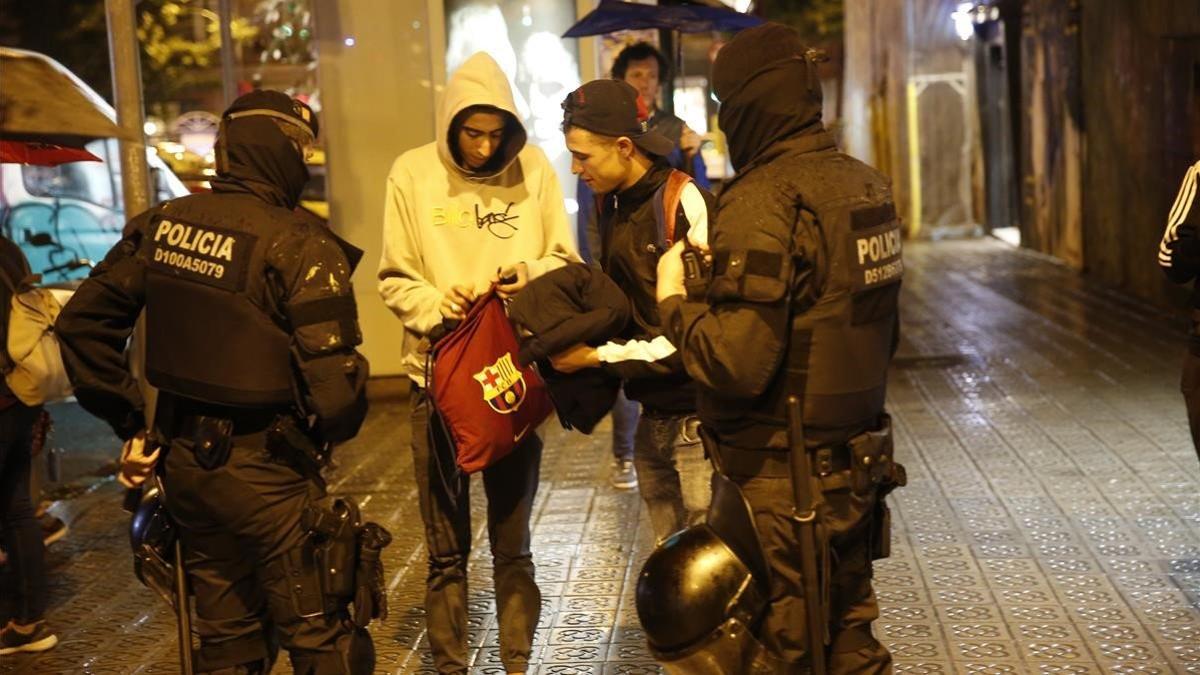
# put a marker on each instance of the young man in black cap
(642, 66)
(251, 330)
(619, 158)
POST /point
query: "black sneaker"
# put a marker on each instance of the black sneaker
(38, 640)
(53, 529)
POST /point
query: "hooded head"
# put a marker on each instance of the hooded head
(768, 88)
(261, 147)
(478, 130)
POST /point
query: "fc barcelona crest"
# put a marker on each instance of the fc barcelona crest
(503, 385)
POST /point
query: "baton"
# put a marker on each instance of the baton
(182, 612)
(804, 515)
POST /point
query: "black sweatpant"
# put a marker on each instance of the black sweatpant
(510, 485)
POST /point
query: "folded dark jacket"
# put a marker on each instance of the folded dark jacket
(572, 304)
(562, 308)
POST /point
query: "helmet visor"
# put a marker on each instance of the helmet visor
(730, 649)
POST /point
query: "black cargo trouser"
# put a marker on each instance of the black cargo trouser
(242, 536)
(1190, 384)
(850, 524)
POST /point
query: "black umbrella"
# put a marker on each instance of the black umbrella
(613, 15)
(42, 101)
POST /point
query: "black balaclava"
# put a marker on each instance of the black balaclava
(254, 155)
(769, 91)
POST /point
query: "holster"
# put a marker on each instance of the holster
(212, 440)
(346, 554)
(697, 274)
(333, 533)
(288, 440)
(873, 467)
(872, 462)
(370, 588)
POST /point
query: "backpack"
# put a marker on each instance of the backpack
(666, 206)
(31, 360)
(486, 400)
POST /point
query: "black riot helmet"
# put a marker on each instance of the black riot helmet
(152, 536)
(698, 604)
(703, 591)
(261, 146)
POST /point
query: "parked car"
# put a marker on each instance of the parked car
(66, 217)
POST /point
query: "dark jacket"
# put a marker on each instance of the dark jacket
(1179, 250)
(283, 275)
(629, 253)
(572, 304)
(795, 304)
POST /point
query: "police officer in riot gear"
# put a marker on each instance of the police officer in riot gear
(802, 305)
(251, 330)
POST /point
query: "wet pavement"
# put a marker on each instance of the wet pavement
(1051, 523)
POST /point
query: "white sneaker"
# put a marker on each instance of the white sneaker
(624, 476)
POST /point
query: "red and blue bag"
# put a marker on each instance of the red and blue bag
(487, 402)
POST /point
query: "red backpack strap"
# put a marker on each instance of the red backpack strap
(671, 194)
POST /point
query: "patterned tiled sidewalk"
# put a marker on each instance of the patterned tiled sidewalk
(1051, 523)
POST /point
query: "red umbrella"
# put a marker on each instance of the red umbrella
(42, 154)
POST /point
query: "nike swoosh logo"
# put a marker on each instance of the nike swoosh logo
(517, 436)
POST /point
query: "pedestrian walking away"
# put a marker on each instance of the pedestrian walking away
(1179, 258)
(24, 549)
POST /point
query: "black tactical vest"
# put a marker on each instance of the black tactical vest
(210, 331)
(844, 318)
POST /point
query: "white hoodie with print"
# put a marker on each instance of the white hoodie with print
(444, 225)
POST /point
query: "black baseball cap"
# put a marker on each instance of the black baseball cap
(276, 104)
(614, 108)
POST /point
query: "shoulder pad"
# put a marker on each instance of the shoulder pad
(326, 324)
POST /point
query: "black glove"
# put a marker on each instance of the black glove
(697, 272)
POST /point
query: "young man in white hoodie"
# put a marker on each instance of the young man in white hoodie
(476, 205)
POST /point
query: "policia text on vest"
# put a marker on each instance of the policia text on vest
(194, 248)
(879, 255)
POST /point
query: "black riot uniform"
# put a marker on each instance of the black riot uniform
(803, 301)
(251, 330)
